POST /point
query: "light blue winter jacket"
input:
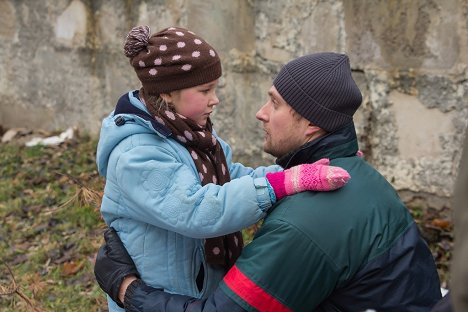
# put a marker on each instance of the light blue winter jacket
(154, 199)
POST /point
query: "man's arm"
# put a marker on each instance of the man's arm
(115, 273)
(140, 297)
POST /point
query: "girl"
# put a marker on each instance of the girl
(172, 192)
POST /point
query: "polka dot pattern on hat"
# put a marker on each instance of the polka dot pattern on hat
(173, 59)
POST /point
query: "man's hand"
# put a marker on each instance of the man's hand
(113, 264)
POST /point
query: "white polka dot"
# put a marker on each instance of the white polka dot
(141, 64)
(186, 67)
(171, 28)
(201, 176)
(236, 241)
(163, 47)
(166, 37)
(158, 61)
(182, 139)
(179, 33)
(158, 119)
(196, 54)
(204, 169)
(153, 71)
(175, 57)
(194, 155)
(230, 254)
(191, 32)
(216, 251)
(188, 135)
(180, 44)
(223, 168)
(181, 116)
(212, 53)
(170, 115)
(215, 180)
(213, 140)
(197, 41)
(201, 133)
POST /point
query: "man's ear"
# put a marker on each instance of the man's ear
(312, 129)
(313, 132)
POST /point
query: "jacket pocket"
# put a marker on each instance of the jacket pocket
(199, 271)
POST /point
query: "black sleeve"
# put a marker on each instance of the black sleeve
(140, 297)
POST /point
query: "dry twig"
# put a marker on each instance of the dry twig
(83, 195)
(9, 287)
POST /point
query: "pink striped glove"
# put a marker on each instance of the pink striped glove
(319, 176)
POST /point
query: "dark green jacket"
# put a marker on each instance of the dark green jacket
(353, 249)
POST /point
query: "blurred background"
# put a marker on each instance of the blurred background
(62, 67)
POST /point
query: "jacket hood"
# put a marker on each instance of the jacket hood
(129, 117)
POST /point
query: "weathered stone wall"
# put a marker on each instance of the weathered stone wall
(61, 65)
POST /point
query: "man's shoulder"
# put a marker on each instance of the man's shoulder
(366, 208)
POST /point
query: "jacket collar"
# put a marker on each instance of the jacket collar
(340, 143)
(125, 106)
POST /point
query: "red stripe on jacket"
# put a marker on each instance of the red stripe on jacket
(255, 296)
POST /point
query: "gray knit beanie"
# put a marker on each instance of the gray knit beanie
(321, 89)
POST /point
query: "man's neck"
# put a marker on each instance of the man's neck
(340, 143)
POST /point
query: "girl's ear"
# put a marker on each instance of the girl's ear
(166, 97)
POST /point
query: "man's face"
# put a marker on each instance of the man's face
(285, 130)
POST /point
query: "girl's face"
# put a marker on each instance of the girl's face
(196, 103)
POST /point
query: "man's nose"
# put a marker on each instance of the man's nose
(260, 115)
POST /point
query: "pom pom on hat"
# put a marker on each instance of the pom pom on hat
(171, 59)
(136, 41)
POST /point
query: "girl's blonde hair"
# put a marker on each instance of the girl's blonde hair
(157, 103)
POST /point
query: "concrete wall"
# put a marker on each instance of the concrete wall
(61, 64)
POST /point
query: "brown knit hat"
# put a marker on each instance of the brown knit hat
(172, 59)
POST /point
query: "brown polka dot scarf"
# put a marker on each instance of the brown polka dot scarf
(210, 161)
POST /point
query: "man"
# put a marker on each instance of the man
(349, 250)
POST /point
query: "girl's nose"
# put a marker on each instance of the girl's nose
(214, 100)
